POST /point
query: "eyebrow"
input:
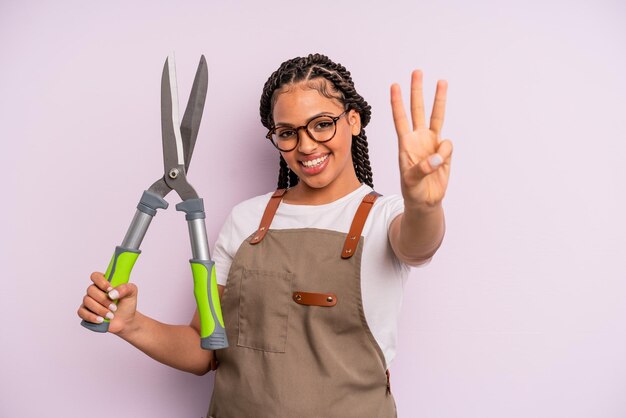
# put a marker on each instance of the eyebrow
(308, 120)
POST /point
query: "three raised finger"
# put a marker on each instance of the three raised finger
(417, 106)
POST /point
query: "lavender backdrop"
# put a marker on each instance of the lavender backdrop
(522, 312)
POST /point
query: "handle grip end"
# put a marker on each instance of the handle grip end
(102, 327)
(216, 341)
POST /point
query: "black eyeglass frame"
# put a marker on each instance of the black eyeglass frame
(306, 128)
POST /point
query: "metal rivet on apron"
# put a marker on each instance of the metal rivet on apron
(353, 238)
(298, 297)
(349, 250)
(262, 228)
(329, 299)
(256, 238)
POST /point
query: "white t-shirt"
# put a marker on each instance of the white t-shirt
(382, 274)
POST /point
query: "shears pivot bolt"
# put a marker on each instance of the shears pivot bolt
(173, 173)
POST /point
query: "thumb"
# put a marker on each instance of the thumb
(126, 290)
(125, 297)
(423, 168)
(430, 164)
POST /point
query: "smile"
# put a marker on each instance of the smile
(315, 162)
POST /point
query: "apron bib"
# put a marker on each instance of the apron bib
(300, 346)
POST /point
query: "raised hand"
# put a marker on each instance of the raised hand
(424, 158)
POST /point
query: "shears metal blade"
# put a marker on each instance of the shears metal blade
(179, 139)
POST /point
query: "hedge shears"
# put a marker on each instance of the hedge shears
(178, 143)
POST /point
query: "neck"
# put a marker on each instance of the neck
(303, 194)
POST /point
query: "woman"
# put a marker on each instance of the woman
(310, 311)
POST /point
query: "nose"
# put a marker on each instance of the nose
(306, 144)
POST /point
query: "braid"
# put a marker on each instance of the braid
(286, 177)
(361, 160)
(293, 179)
(317, 66)
(283, 174)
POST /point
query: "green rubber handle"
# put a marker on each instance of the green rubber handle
(118, 272)
(212, 331)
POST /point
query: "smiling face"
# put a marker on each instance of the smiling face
(325, 169)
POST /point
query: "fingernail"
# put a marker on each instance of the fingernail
(109, 289)
(110, 315)
(113, 307)
(99, 319)
(114, 294)
(435, 160)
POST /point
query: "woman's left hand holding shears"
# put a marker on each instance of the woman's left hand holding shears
(424, 157)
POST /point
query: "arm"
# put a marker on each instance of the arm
(177, 346)
(415, 236)
(424, 160)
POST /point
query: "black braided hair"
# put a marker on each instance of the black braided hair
(312, 67)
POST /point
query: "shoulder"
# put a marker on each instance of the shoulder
(387, 208)
(390, 202)
(383, 201)
(251, 206)
(245, 216)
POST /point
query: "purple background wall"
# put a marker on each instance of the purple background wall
(521, 313)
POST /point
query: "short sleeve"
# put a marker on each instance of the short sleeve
(394, 207)
(223, 253)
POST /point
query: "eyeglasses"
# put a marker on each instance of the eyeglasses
(320, 129)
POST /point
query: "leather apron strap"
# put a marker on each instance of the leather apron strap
(268, 215)
(358, 222)
(354, 234)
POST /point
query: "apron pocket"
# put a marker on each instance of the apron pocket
(264, 310)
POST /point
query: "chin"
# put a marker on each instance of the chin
(314, 183)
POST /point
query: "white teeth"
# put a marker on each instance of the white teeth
(313, 163)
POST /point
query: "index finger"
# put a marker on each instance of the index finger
(397, 109)
(100, 281)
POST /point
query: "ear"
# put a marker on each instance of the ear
(354, 119)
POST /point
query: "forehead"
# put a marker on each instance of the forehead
(295, 104)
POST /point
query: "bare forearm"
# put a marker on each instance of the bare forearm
(177, 346)
(416, 235)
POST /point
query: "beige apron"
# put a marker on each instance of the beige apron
(300, 346)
